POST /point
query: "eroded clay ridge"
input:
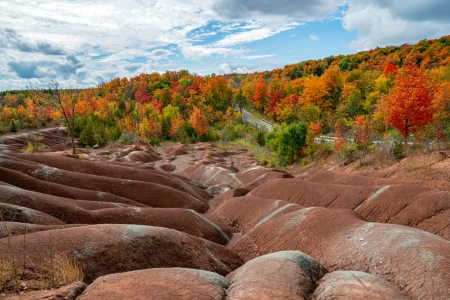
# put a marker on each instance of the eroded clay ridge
(198, 222)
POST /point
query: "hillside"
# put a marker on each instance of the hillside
(359, 96)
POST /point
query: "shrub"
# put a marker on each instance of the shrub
(13, 126)
(287, 144)
(398, 150)
(129, 138)
(261, 138)
(34, 144)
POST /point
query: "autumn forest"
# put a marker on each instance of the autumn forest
(396, 93)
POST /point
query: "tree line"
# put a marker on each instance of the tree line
(402, 92)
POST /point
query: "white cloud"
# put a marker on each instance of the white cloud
(383, 23)
(252, 57)
(225, 68)
(194, 52)
(81, 42)
(253, 35)
(160, 53)
(313, 37)
(306, 10)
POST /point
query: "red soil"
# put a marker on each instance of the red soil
(141, 210)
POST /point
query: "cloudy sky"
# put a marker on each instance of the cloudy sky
(82, 43)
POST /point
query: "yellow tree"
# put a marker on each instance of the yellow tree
(315, 91)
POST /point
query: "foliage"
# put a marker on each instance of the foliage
(398, 150)
(409, 105)
(261, 138)
(13, 127)
(34, 144)
(286, 145)
(199, 122)
(129, 138)
(347, 94)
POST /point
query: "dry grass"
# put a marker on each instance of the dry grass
(57, 269)
(9, 270)
(62, 269)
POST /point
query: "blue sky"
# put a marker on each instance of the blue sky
(83, 43)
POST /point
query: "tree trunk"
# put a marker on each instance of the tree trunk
(72, 136)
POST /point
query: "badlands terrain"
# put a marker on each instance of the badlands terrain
(198, 222)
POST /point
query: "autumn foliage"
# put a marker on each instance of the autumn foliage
(409, 105)
(199, 122)
(395, 90)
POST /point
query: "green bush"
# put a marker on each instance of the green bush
(348, 153)
(228, 133)
(129, 138)
(286, 145)
(261, 138)
(398, 150)
(13, 126)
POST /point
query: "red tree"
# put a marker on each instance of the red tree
(409, 105)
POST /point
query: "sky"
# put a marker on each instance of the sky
(82, 43)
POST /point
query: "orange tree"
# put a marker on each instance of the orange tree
(409, 105)
(199, 121)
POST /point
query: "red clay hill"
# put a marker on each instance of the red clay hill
(186, 223)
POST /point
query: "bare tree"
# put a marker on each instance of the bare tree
(65, 103)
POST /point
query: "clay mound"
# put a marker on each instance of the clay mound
(30, 183)
(178, 147)
(147, 193)
(16, 228)
(209, 168)
(355, 285)
(118, 170)
(107, 249)
(16, 213)
(176, 152)
(174, 283)
(88, 212)
(254, 177)
(140, 157)
(203, 146)
(215, 155)
(209, 174)
(246, 213)
(280, 275)
(224, 197)
(403, 204)
(66, 292)
(410, 205)
(52, 138)
(333, 177)
(343, 240)
(183, 220)
(247, 162)
(67, 210)
(309, 193)
(168, 167)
